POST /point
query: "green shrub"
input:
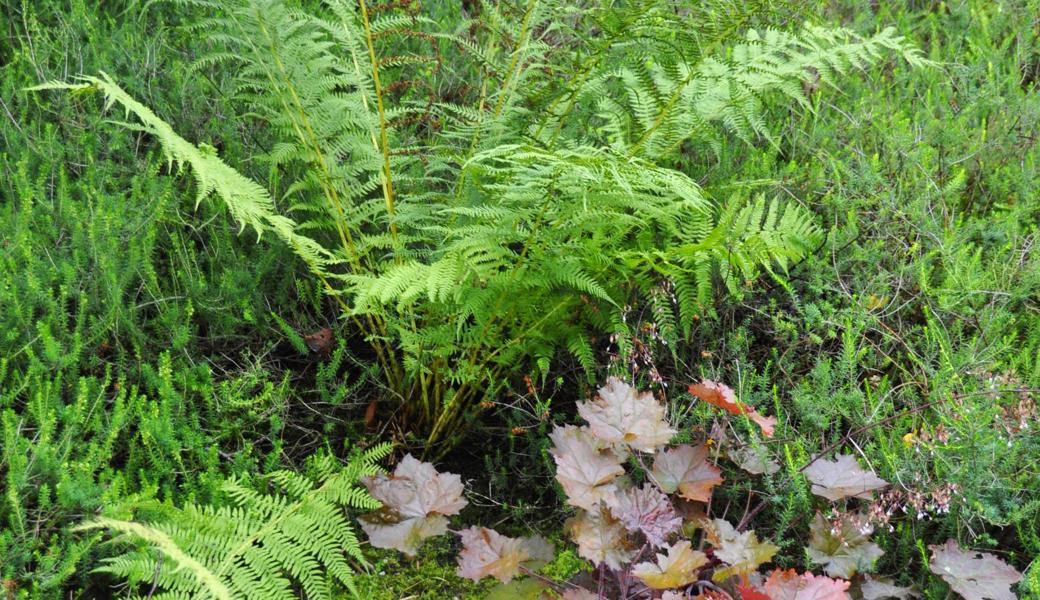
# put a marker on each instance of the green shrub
(466, 239)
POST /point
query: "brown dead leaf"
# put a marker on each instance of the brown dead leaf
(321, 341)
(723, 396)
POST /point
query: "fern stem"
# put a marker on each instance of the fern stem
(514, 62)
(388, 184)
(310, 140)
(448, 419)
(390, 368)
(209, 580)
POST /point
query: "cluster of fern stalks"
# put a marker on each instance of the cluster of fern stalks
(483, 199)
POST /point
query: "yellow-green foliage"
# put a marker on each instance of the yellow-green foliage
(261, 546)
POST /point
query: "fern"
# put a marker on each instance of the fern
(261, 546)
(467, 229)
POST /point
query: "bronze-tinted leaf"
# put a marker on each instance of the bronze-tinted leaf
(879, 589)
(416, 489)
(646, 510)
(621, 415)
(842, 478)
(742, 551)
(754, 460)
(415, 500)
(385, 530)
(974, 575)
(677, 568)
(487, 553)
(686, 469)
(584, 468)
(601, 538)
(789, 585)
(844, 548)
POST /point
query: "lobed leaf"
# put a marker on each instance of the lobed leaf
(789, 585)
(842, 478)
(584, 468)
(877, 589)
(974, 575)
(648, 511)
(742, 551)
(722, 396)
(601, 538)
(844, 552)
(620, 415)
(685, 469)
(487, 553)
(415, 501)
(675, 569)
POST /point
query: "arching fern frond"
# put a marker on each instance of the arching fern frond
(247, 201)
(650, 108)
(261, 546)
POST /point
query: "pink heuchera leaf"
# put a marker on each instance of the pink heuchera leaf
(621, 415)
(415, 500)
(723, 396)
(974, 575)
(878, 589)
(789, 585)
(386, 531)
(487, 553)
(842, 478)
(647, 510)
(416, 489)
(675, 569)
(686, 469)
(844, 552)
(584, 469)
(748, 592)
(742, 551)
(601, 538)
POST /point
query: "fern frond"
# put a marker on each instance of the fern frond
(262, 546)
(247, 201)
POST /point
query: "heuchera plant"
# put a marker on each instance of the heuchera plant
(638, 534)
